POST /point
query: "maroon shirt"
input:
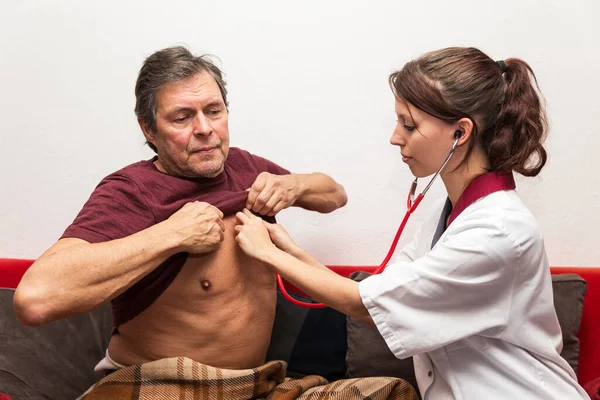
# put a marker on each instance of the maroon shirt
(139, 196)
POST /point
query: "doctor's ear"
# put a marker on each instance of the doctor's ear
(463, 131)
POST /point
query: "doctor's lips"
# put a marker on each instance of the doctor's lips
(405, 158)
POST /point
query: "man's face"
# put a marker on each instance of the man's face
(192, 134)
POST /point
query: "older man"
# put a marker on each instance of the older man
(156, 238)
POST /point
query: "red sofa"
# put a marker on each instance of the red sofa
(11, 271)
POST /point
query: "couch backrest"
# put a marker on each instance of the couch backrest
(11, 271)
(589, 330)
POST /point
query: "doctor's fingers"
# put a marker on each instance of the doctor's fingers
(246, 217)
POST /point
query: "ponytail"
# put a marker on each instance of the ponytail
(501, 98)
(515, 142)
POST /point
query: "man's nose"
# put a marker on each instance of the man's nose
(201, 125)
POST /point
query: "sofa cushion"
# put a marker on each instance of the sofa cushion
(311, 341)
(569, 291)
(54, 361)
(369, 355)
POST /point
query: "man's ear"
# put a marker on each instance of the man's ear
(465, 126)
(146, 130)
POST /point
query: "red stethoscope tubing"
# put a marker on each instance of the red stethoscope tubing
(411, 206)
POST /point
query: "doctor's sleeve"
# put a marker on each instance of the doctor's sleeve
(460, 288)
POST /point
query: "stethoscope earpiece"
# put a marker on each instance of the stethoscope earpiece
(457, 134)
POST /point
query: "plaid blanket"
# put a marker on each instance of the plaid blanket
(182, 378)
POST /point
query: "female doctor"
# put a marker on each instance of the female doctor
(471, 296)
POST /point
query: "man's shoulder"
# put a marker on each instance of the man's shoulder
(143, 167)
(130, 176)
(134, 171)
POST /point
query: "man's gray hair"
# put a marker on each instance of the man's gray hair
(173, 64)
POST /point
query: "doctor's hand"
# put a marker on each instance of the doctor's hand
(252, 235)
(270, 193)
(281, 238)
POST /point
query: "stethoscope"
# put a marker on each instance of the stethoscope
(411, 205)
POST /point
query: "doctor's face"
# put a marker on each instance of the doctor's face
(424, 141)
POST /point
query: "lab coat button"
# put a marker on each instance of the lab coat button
(430, 373)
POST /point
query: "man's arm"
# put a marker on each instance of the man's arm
(319, 192)
(74, 276)
(271, 193)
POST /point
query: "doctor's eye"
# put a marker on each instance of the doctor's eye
(409, 128)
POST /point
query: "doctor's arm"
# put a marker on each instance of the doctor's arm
(299, 268)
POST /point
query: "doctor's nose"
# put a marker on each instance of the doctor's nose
(397, 138)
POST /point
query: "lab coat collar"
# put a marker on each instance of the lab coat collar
(480, 187)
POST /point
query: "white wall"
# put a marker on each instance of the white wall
(308, 89)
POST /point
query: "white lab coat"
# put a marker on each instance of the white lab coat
(476, 310)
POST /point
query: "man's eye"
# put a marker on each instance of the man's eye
(214, 112)
(181, 119)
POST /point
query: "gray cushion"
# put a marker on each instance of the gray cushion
(54, 361)
(369, 355)
(569, 290)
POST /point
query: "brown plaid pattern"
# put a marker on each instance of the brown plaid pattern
(181, 378)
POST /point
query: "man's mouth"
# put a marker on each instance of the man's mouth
(205, 149)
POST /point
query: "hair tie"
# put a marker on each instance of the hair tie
(502, 65)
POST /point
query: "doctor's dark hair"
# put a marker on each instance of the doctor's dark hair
(502, 100)
(173, 64)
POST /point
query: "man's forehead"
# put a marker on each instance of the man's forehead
(199, 89)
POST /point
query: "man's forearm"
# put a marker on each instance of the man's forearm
(320, 192)
(74, 276)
